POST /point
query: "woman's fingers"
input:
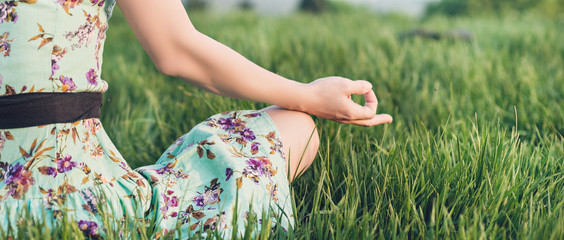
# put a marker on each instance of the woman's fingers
(338, 105)
(368, 111)
(356, 111)
(376, 120)
(370, 102)
(366, 115)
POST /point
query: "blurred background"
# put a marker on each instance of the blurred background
(283, 7)
(414, 8)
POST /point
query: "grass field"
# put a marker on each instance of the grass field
(476, 150)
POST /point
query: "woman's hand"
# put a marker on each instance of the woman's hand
(332, 100)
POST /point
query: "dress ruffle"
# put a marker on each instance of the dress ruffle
(231, 166)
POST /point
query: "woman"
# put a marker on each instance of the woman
(55, 157)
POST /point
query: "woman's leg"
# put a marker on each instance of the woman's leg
(299, 137)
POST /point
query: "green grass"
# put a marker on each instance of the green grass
(476, 150)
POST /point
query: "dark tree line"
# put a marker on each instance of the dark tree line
(313, 5)
(305, 5)
(549, 8)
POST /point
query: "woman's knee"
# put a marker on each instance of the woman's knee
(299, 138)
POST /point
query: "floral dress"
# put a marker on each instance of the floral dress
(230, 166)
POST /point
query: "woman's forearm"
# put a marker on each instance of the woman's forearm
(215, 67)
(178, 49)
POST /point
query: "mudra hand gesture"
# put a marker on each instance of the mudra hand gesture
(334, 102)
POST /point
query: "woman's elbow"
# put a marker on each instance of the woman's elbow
(177, 63)
(174, 58)
(181, 66)
(167, 65)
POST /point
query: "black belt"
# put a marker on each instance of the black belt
(34, 109)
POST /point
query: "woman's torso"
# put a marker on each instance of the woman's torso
(52, 45)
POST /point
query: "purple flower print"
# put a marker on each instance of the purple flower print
(174, 201)
(5, 44)
(88, 228)
(56, 56)
(231, 124)
(184, 217)
(92, 77)
(65, 164)
(5, 48)
(164, 170)
(210, 196)
(257, 168)
(247, 134)
(7, 12)
(13, 173)
(68, 83)
(199, 200)
(51, 193)
(54, 67)
(91, 201)
(51, 171)
(226, 123)
(255, 147)
(98, 2)
(256, 165)
(228, 173)
(168, 202)
(17, 179)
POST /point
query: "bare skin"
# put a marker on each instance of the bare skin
(177, 49)
(299, 136)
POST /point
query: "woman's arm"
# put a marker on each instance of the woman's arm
(179, 50)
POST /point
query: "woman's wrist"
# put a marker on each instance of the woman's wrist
(298, 97)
